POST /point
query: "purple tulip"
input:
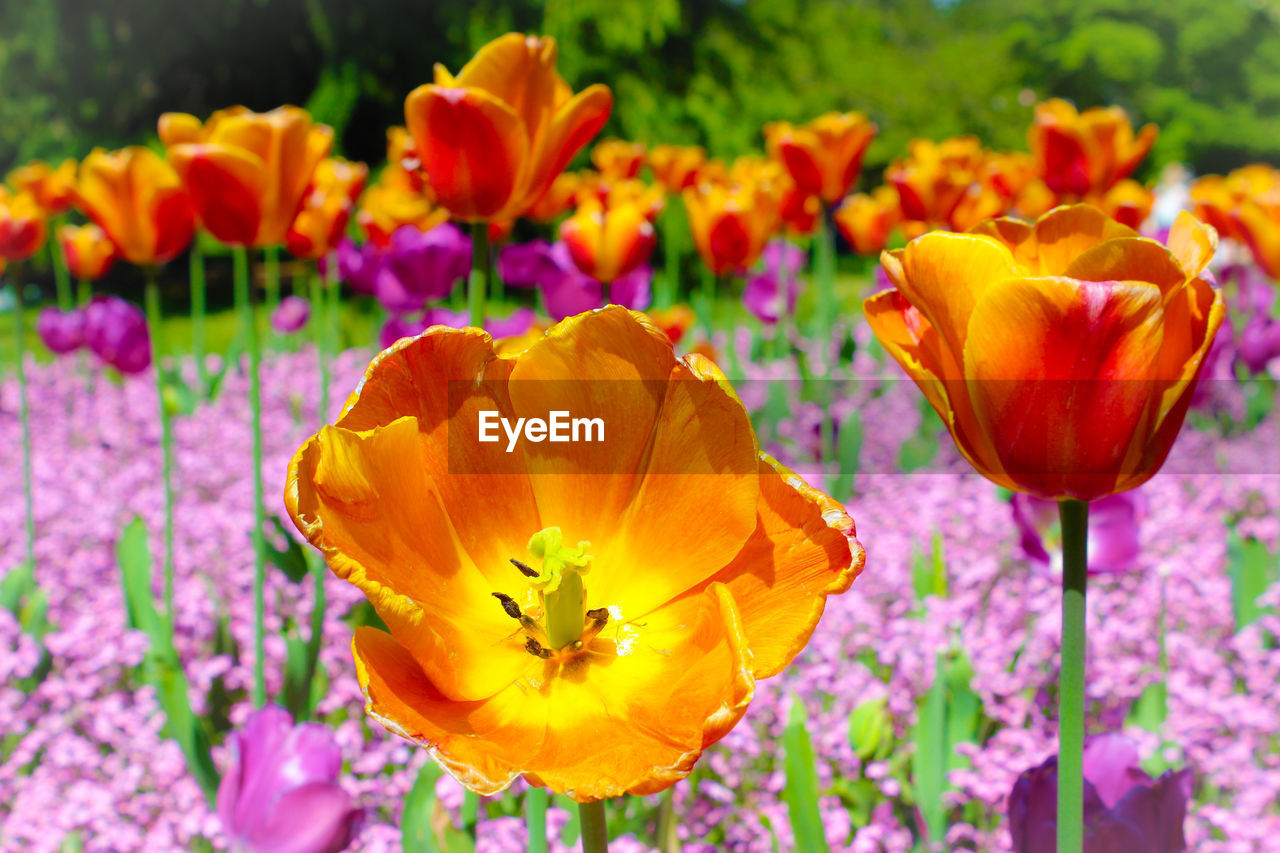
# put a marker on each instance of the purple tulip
(1125, 810)
(761, 296)
(116, 332)
(527, 265)
(358, 265)
(61, 331)
(1114, 525)
(398, 327)
(782, 256)
(517, 322)
(1259, 343)
(1216, 366)
(281, 792)
(419, 266)
(290, 315)
(571, 291)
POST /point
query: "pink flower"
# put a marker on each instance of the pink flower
(1114, 525)
(290, 315)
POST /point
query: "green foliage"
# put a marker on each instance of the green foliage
(1252, 570)
(801, 791)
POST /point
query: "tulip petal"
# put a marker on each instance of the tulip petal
(318, 817)
(1193, 243)
(1065, 233)
(473, 147)
(226, 185)
(178, 128)
(1060, 376)
(617, 729)
(483, 743)
(572, 126)
(702, 454)
(1129, 259)
(803, 549)
(520, 71)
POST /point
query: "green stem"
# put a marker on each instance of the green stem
(666, 836)
(595, 831)
(62, 281)
(271, 272)
(708, 299)
(155, 330)
(780, 339)
(197, 315)
(671, 226)
(481, 273)
(824, 280)
(318, 607)
(320, 335)
(535, 819)
(1075, 546)
(24, 414)
(249, 326)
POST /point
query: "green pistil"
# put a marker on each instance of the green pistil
(560, 584)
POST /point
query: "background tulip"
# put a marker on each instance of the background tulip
(419, 266)
(280, 794)
(116, 332)
(609, 241)
(825, 155)
(22, 225)
(676, 167)
(290, 315)
(61, 331)
(730, 225)
(1079, 153)
(326, 208)
(52, 186)
(136, 198)
(1115, 523)
(617, 159)
(527, 265)
(88, 251)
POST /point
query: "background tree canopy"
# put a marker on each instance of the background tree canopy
(75, 74)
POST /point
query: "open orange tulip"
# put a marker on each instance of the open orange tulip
(1215, 198)
(589, 615)
(326, 207)
(1061, 356)
(247, 172)
(52, 186)
(492, 139)
(1257, 223)
(676, 167)
(608, 241)
(866, 221)
(22, 225)
(1128, 202)
(136, 197)
(825, 155)
(88, 251)
(1079, 153)
(730, 224)
(941, 183)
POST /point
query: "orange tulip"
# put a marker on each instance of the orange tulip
(1215, 198)
(326, 208)
(617, 159)
(676, 321)
(22, 225)
(558, 198)
(730, 224)
(1060, 355)
(867, 221)
(88, 251)
(136, 197)
(52, 186)
(676, 167)
(1078, 153)
(798, 211)
(607, 242)
(588, 615)
(493, 139)
(825, 155)
(247, 172)
(403, 167)
(386, 206)
(1257, 223)
(936, 182)
(1128, 202)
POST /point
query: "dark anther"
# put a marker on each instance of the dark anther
(600, 616)
(508, 604)
(535, 648)
(525, 570)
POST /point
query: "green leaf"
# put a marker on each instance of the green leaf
(134, 555)
(1252, 570)
(929, 761)
(964, 709)
(801, 791)
(415, 820)
(290, 559)
(929, 576)
(15, 585)
(1151, 708)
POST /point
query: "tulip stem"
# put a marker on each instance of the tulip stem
(197, 315)
(595, 831)
(320, 320)
(481, 273)
(670, 254)
(249, 324)
(824, 257)
(535, 819)
(1075, 546)
(24, 414)
(155, 330)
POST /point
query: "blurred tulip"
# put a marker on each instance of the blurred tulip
(558, 198)
(387, 207)
(116, 332)
(675, 321)
(22, 225)
(1079, 153)
(730, 224)
(940, 183)
(358, 265)
(1214, 198)
(136, 198)
(825, 155)
(1218, 369)
(867, 221)
(61, 331)
(290, 315)
(606, 243)
(403, 169)
(326, 207)
(492, 140)
(248, 172)
(617, 159)
(52, 187)
(1256, 221)
(1259, 343)
(88, 251)
(800, 213)
(1062, 355)
(419, 266)
(1125, 810)
(676, 167)
(526, 266)
(518, 322)
(1114, 526)
(281, 793)
(572, 291)
(762, 295)
(1128, 202)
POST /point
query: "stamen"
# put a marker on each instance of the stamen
(509, 605)
(535, 648)
(525, 569)
(599, 617)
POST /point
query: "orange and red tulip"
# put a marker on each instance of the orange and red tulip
(23, 226)
(1215, 198)
(52, 186)
(389, 204)
(577, 672)
(247, 172)
(137, 199)
(1060, 355)
(326, 208)
(825, 155)
(676, 167)
(88, 251)
(730, 224)
(1128, 202)
(607, 242)
(799, 211)
(492, 139)
(867, 221)
(558, 199)
(935, 180)
(1257, 223)
(617, 159)
(1078, 153)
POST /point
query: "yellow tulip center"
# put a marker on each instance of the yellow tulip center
(565, 626)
